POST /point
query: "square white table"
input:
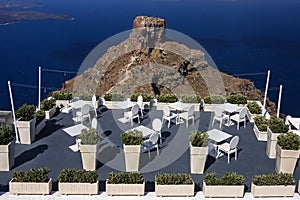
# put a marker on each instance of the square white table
(178, 106)
(217, 136)
(145, 130)
(126, 105)
(77, 104)
(230, 109)
(74, 131)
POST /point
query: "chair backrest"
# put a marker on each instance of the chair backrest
(218, 111)
(191, 111)
(85, 109)
(243, 113)
(234, 142)
(94, 123)
(135, 110)
(140, 99)
(166, 111)
(154, 138)
(156, 124)
(94, 101)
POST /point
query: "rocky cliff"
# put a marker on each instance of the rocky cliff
(150, 62)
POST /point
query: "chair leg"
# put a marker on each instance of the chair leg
(220, 124)
(169, 123)
(139, 120)
(149, 153)
(238, 126)
(235, 156)
(131, 121)
(157, 150)
(228, 157)
(245, 123)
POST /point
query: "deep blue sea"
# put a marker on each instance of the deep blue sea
(241, 36)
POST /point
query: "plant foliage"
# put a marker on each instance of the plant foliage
(215, 99)
(227, 179)
(6, 135)
(289, 141)
(114, 97)
(88, 136)
(273, 179)
(133, 137)
(167, 98)
(40, 115)
(190, 98)
(33, 175)
(198, 139)
(261, 122)
(77, 176)
(125, 178)
(173, 179)
(59, 95)
(254, 108)
(237, 99)
(26, 112)
(47, 104)
(277, 125)
(146, 97)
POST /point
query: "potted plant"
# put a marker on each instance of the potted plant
(34, 181)
(78, 181)
(253, 110)
(129, 183)
(273, 185)
(174, 185)
(62, 99)
(237, 99)
(132, 146)
(7, 148)
(88, 148)
(276, 127)
(111, 98)
(210, 102)
(198, 151)
(48, 105)
(26, 123)
(165, 99)
(229, 185)
(40, 121)
(261, 124)
(287, 152)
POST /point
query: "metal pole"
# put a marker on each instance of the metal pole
(40, 83)
(279, 101)
(13, 112)
(266, 90)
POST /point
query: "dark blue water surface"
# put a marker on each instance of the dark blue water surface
(242, 36)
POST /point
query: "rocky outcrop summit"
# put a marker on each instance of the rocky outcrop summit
(150, 62)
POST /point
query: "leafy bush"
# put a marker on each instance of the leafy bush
(198, 139)
(237, 99)
(277, 125)
(26, 112)
(114, 97)
(77, 176)
(261, 122)
(173, 179)
(146, 97)
(227, 179)
(125, 178)
(33, 175)
(88, 136)
(289, 141)
(87, 97)
(216, 99)
(40, 115)
(133, 137)
(47, 104)
(190, 98)
(167, 98)
(6, 134)
(254, 108)
(59, 95)
(273, 179)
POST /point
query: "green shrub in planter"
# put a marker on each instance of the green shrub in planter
(190, 98)
(273, 179)
(33, 175)
(167, 98)
(261, 122)
(26, 112)
(146, 97)
(88, 136)
(87, 97)
(227, 179)
(6, 135)
(237, 99)
(289, 141)
(77, 176)
(59, 95)
(40, 115)
(277, 125)
(114, 97)
(47, 104)
(198, 139)
(125, 178)
(254, 108)
(215, 99)
(173, 179)
(133, 137)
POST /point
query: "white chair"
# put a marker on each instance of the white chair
(219, 116)
(189, 115)
(156, 126)
(240, 117)
(168, 115)
(229, 148)
(84, 113)
(140, 103)
(150, 143)
(134, 113)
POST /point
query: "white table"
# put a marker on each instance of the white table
(145, 130)
(77, 104)
(74, 131)
(217, 136)
(178, 106)
(126, 105)
(230, 109)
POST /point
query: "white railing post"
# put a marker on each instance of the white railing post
(13, 112)
(279, 101)
(40, 83)
(266, 90)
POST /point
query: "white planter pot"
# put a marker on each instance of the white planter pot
(78, 188)
(197, 159)
(273, 191)
(286, 160)
(174, 190)
(63, 103)
(7, 156)
(88, 156)
(224, 191)
(50, 113)
(132, 157)
(260, 135)
(26, 131)
(30, 188)
(125, 189)
(271, 143)
(252, 116)
(40, 126)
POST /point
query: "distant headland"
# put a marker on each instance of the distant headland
(12, 12)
